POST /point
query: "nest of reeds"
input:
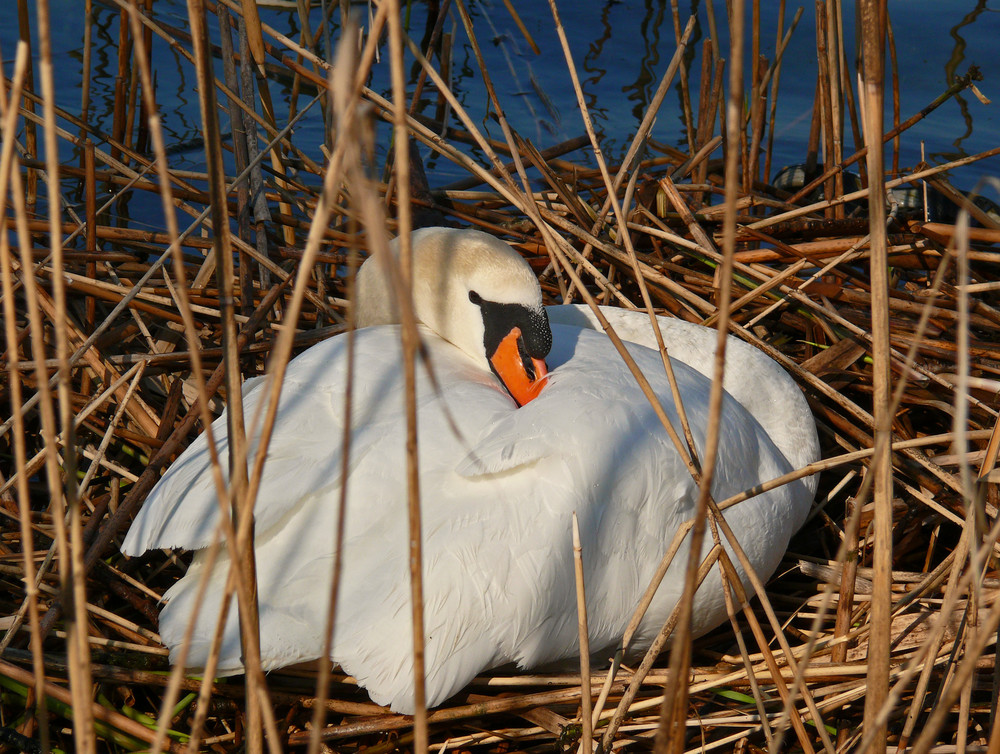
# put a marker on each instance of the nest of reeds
(879, 628)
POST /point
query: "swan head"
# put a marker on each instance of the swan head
(477, 293)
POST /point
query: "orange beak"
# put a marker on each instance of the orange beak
(510, 368)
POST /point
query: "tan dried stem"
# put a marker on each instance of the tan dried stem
(873, 25)
(8, 168)
(670, 735)
(586, 714)
(241, 504)
(343, 90)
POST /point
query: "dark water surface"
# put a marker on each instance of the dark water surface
(620, 48)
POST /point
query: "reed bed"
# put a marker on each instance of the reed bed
(878, 632)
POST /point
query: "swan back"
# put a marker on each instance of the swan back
(755, 380)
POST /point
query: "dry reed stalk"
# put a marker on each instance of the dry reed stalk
(8, 111)
(142, 57)
(827, 117)
(30, 133)
(241, 151)
(772, 112)
(410, 342)
(891, 39)
(341, 91)
(241, 503)
(669, 734)
(680, 42)
(203, 402)
(70, 544)
(874, 20)
(687, 450)
(586, 713)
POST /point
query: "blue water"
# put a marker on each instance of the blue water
(620, 50)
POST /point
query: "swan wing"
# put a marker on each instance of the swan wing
(183, 508)
(305, 453)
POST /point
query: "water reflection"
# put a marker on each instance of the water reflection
(951, 69)
(649, 73)
(621, 50)
(512, 46)
(592, 65)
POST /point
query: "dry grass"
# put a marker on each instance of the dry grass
(120, 343)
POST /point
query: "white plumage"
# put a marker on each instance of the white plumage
(498, 495)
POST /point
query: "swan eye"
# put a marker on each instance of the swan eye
(475, 298)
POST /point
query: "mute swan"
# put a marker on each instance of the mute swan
(497, 494)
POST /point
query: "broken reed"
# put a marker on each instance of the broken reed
(143, 359)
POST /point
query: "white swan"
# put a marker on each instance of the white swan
(497, 497)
